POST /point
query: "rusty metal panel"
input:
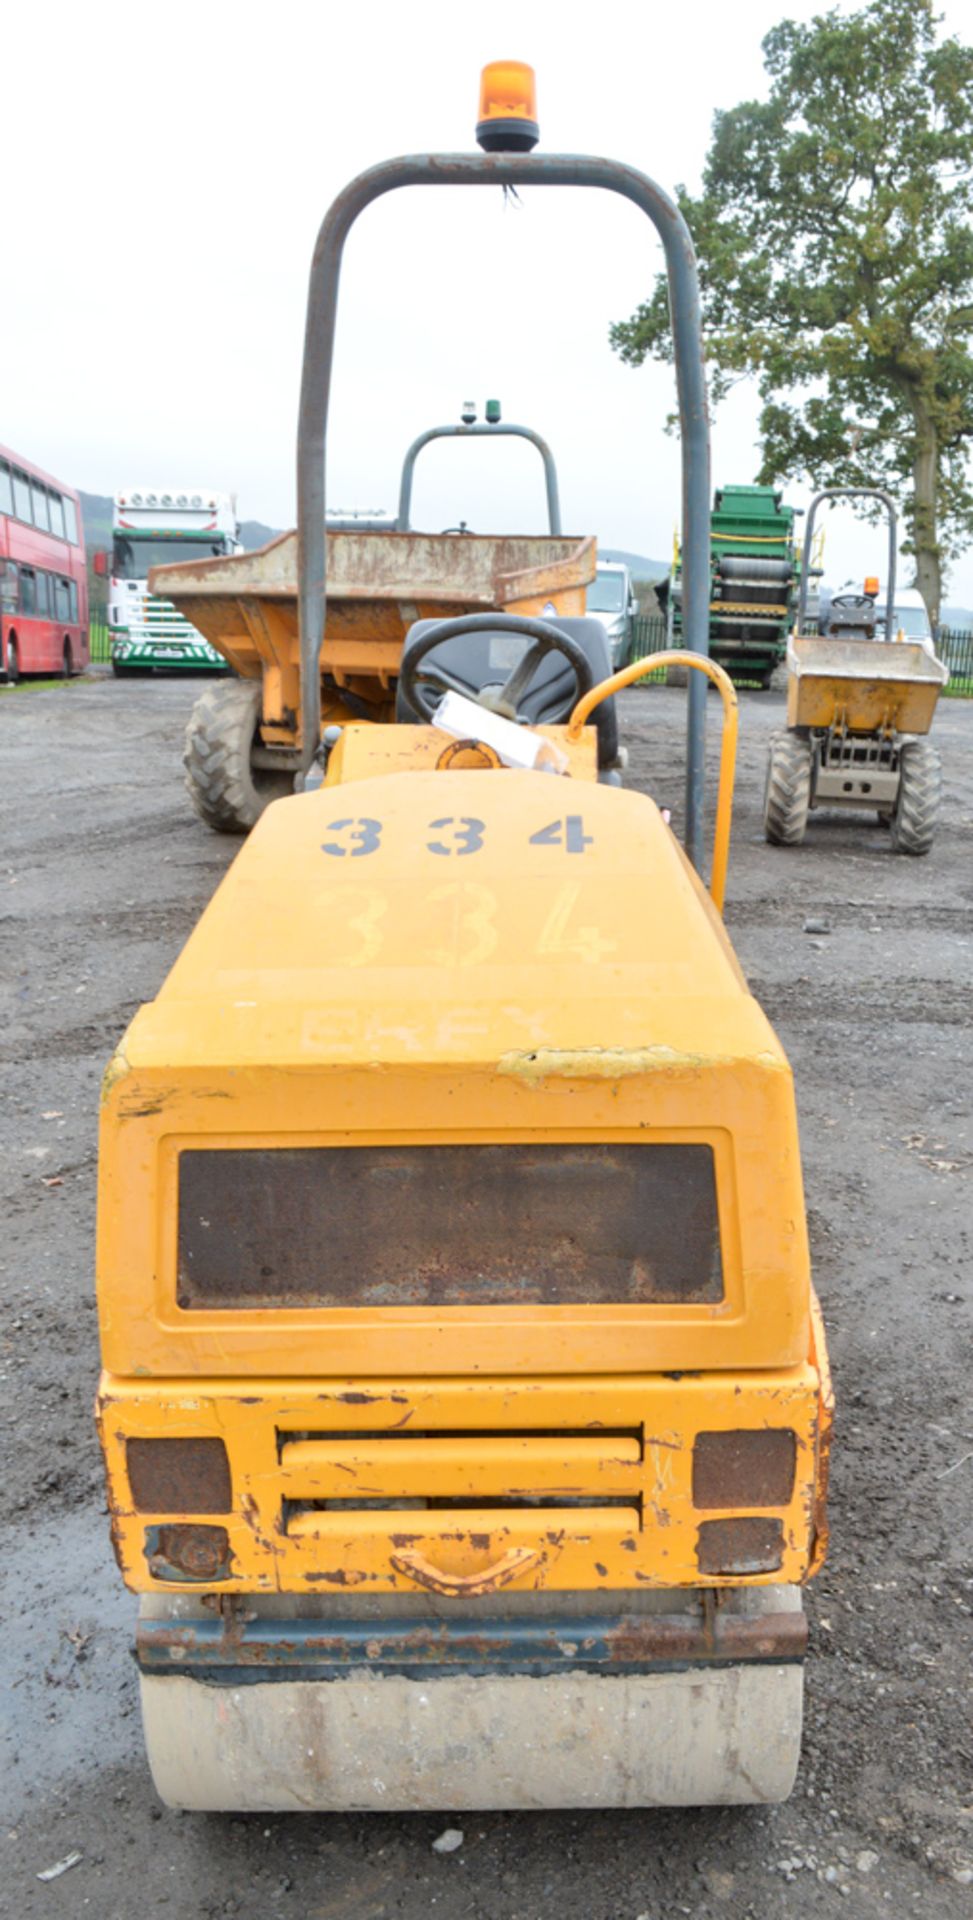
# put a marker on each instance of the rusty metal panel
(230, 1645)
(744, 1468)
(586, 1531)
(179, 1476)
(188, 1553)
(740, 1546)
(448, 1226)
(370, 565)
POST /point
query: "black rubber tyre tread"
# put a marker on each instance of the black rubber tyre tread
(788, 793)
(222, 784)
(778, 678)
(677, 676)
(913, 823)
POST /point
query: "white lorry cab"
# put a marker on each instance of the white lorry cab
(152, 526)
(611, 599)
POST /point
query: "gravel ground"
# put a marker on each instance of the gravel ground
(103, 871)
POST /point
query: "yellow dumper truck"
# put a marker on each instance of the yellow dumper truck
(465, 1403)
(243, 742)
(860, 703)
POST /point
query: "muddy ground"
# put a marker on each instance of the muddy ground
(103, 871)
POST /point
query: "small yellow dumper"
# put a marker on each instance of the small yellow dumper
(465, 1402)
(244, 740)
(858, 709)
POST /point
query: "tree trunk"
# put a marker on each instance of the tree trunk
(925, 480)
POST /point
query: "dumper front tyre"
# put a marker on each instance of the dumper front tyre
(916, 812)
(227, 790)
(787, 797)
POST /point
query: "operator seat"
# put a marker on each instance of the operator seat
(486, 659)
(848, 616)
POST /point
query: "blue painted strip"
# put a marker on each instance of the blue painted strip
(232, 1653)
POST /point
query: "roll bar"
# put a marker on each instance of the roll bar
(678, 657)
(507, 170)
(851, 493)
(486, 431)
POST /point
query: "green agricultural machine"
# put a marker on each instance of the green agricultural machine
(753, 576)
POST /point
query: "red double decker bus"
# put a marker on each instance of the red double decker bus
(43, 576)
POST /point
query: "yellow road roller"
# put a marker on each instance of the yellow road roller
(465, 1404)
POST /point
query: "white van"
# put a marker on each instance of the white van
(909, 616)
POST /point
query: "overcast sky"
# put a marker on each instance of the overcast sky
(167, 170)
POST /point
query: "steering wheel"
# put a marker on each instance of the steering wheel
(861, 603)
(423, 688)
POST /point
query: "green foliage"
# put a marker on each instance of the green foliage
(835, 239)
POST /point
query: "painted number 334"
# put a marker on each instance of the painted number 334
(452, 835)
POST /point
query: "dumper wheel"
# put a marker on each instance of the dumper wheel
(913, 822)
(788, 792)
(225, 787)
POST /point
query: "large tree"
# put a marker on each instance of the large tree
(835, 239)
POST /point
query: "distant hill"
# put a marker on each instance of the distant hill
(637, 564)
(959, 618)
(96, 511)
(253, 533)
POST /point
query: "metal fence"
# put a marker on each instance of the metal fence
(100, 640)
(954, 647)
(648, 636)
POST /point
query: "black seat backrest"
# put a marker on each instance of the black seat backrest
(487, 659)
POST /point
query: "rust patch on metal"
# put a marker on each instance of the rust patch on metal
(251, 1515)
(338, 1577)
(196, 1553)
(179, 1475)
(712, 1634)
(746, 1544)
(823, 1435)
(744, 1467)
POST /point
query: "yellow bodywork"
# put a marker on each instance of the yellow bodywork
(862, 686)
(412, 957)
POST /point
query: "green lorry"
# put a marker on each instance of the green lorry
(753, 577)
